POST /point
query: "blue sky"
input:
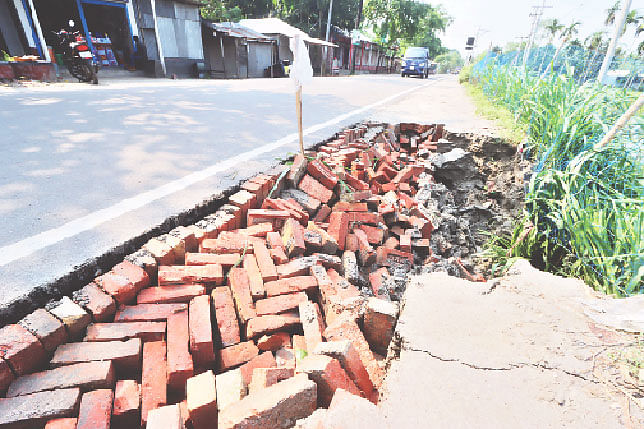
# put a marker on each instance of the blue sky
(502, 21)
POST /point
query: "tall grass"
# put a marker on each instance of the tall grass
(584, 212)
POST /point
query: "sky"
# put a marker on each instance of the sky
(503, 21)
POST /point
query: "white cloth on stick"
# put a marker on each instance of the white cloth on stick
(301, 71)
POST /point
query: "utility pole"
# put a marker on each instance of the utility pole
(358, 19)
(328, 30)
(536, 20)
(619, 24)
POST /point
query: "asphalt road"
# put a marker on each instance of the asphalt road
(86, 168)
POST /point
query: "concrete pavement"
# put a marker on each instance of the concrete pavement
(87, 169)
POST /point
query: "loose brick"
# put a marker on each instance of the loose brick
(274, 342)
(275, 217)
(298, 168)
(20, 349)
(230, 243)
(226, 260)
(264, 360)
(328, 243)
(127, 403)
(161, 251)
(95, 410)
(351, 411)
(349, 358)
(312, 324)
(296, 267)
(144, 259)
(291, 285)
(49, 330)
(265, 377)
(179, 361)
(148, 312)
(63, 423)
(118, 286)
(124, 354)
(99, 304)
(71, 314)
(6, 376)
(365, 217)
(315, 189)
(211, 273)
(258, 230)
(328, 375)
(230, 388)
(153, 378)
(285, 358)
(169, 294)
(236, 355)
(188, 235)
(279, 304)
(377, 280)
(307, 202)
(34, 410)
(405, 243)
(201, 345)
(299, 345)
(146, 331)
(274, 240)
(224, 309)
(375, 235)
(278, 255)
(240, 287)
(244, 200)
(277, 406)
(270, 323)
(338, 227)
(322, 173)
(322, 214)
(201, 400)
(255, 281)
(167, 417)
(86, 376)
(265, 262)
(293, 238)
(343, 206)
(379, 323)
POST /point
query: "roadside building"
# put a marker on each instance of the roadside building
(234, 51)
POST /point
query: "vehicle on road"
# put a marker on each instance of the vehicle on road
(415, 62)
(433, 68)
(76, 55)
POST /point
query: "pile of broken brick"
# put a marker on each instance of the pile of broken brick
(274, 311)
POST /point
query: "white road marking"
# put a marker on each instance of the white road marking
(34, 243)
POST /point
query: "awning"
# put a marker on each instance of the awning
(234, 29)
(277, 26)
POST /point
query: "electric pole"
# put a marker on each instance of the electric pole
(358, 19)
(619, 24)
(536, 20)
(328, 30)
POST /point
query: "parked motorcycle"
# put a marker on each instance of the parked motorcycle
(76, 55)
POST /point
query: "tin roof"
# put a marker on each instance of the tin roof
(234, 29)
(277, 26)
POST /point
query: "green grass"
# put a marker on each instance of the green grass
(509, 130)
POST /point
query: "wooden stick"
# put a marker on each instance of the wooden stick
(637, 105)
(298, 107)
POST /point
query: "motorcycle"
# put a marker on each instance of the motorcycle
(76, 55)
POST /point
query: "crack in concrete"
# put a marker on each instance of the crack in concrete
(510, 366)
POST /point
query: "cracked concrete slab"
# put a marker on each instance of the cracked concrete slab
(515, 352)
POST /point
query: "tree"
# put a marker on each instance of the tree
(407, 23)
(566, 34)
(553, 26)
(449, 61)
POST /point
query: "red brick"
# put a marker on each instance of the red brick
(312, 324)
(127, 402)
(201, 346)
(274, 342)
(240, 287)
(275, 217)
(125, 354)
(391, 243)
(211, 273)
(167, 417)
(278, 255)
(279, 405)
(377, 280)
(297, 170)
(265, 377)
(254, 277)
(315, 189)
(6, 376)
(244, 200)
(258, 230)
(20, 349)
(423, 225)
(326, 286)
(264, 360)
(226, 260)
(265, 263)
(179, 361)
(285, 358)
(118, 286)
(49, 330)
(279, 304)
(365, 217)
(291, 206)
(99, 304)
(293, 238)
(224, 309)
(95, 410)
(385, 255)
(406, 173)
(229, 243)
(355, 183)
(328, 375)
(274, 240)
(291, 285)
(322, 214)
(153, 378)
(169, 294)
(405, 243)
(62, 423)
(342, 206)
(147, 312)
(236, 355)
(322, 173)
(350, 360)
(338, 227)
(146, 331)
(71, 314)
(375, 235)
(271, 323)
(253, 188)
(319, 240)
(351, 243)
(296, 267)
(201, 400)
(31, 411)
(135, 274)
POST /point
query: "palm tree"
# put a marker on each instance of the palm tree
(611, 13)
(566, 34)
(554, 26)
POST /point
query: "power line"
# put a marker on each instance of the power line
(536, 20)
